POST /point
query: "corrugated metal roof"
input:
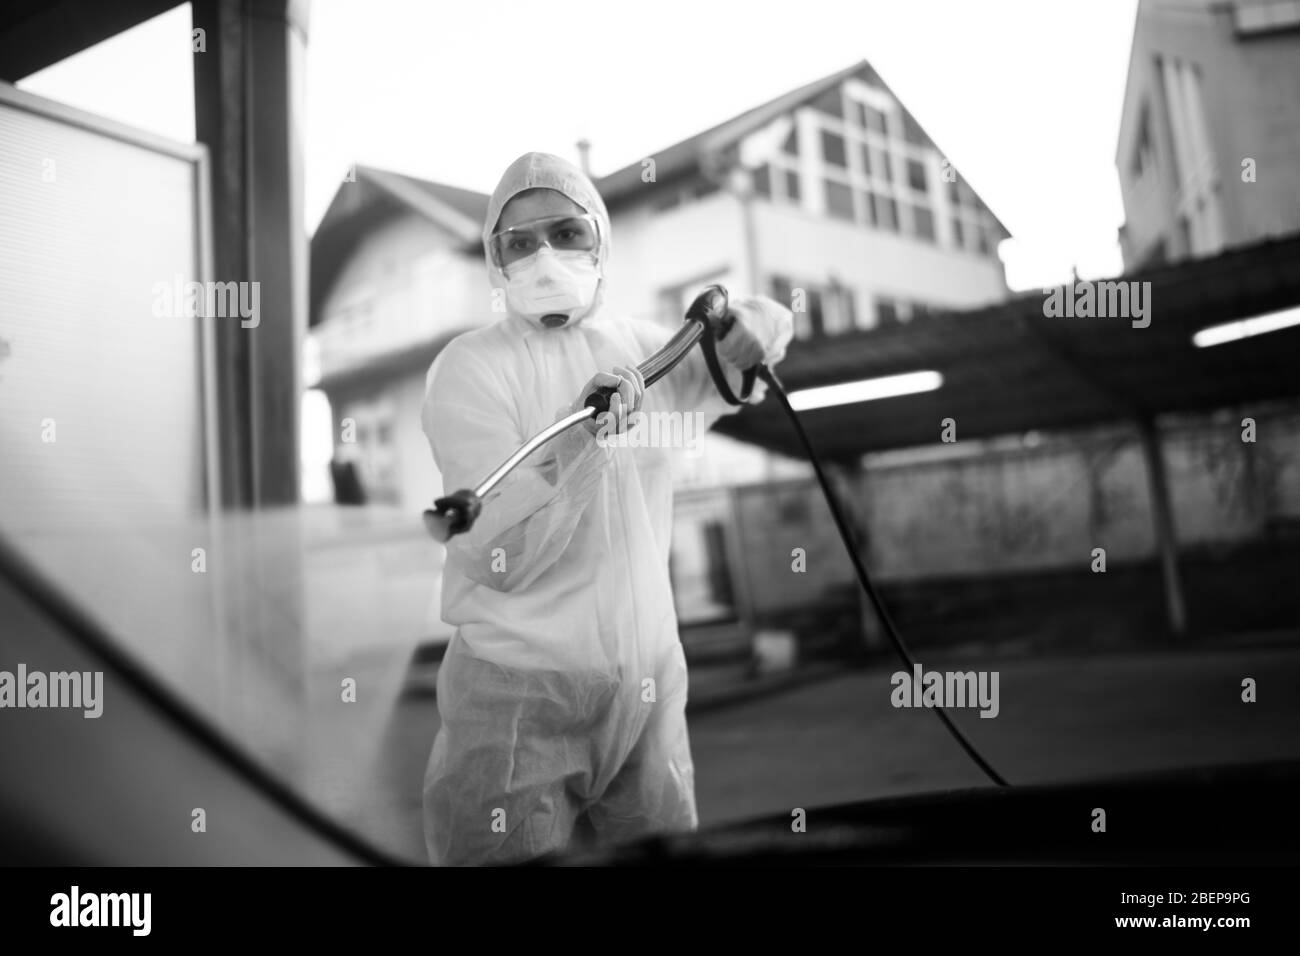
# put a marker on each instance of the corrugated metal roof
(1009, 368)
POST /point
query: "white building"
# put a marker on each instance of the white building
(1210, 128)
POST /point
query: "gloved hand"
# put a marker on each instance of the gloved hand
(631, 390)
(740, 347)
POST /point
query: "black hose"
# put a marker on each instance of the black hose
(864, 579)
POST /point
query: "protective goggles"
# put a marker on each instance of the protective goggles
(566, 233)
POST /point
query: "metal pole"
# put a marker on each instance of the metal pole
(1163, 520)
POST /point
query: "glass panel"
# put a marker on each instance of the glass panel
(869, 204)
(923, 222)
(839, 200)
(886, 311)
(875, 120)
(916, 175)
(830, 103)
(833, 151)
(887, 213)
(881, 165)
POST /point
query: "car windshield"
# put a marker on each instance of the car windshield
(1077, 498)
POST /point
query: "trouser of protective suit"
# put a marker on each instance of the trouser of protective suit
(522, 754)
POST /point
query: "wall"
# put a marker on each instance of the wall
(993, 508)
(405, 284)
(802, 246)
(655, 251)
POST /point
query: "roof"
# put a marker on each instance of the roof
(468, 202)
(375, 197)
(684, 158)
(35, 34)
(1008, 368)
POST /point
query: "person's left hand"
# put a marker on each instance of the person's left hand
(740, 347)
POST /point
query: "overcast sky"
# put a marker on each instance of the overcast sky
(1022, 96)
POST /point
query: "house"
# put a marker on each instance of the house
(1210, 128)
(395, 274)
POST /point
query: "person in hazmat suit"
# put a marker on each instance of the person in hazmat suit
(562, 692)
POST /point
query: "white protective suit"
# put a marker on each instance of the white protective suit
(563, 689)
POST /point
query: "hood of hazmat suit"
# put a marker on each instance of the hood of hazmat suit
(543, 171)
(563, 690)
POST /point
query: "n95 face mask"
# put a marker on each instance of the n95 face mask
(552, 283)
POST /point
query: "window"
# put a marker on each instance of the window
(706, 188)
(792, 186)
(982, 237)
(923, 223)
(957, 239)
(860, 113)
(886, 213)
(880, 163)
(866, 319)
(838, 313)
(865, 152)
(814, 303)
(954, 193)
(803, 328)
(830, 103)
(839, 200)
(869, 204)
(916, 175)
(1142, 150)
(886, 310)
(763, 181)
(781, 290)
(1264, 16)
(833, 149)
(698, 568)
(882, 211)
(791, 145)
(819, 309)
(873, 119)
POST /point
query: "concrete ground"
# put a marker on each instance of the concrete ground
(837, 738)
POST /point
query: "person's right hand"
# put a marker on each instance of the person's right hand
(631, 388)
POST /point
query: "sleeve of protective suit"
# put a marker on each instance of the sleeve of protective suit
(689, 387)
(529, 518)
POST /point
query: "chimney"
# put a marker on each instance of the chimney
(584, 155)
